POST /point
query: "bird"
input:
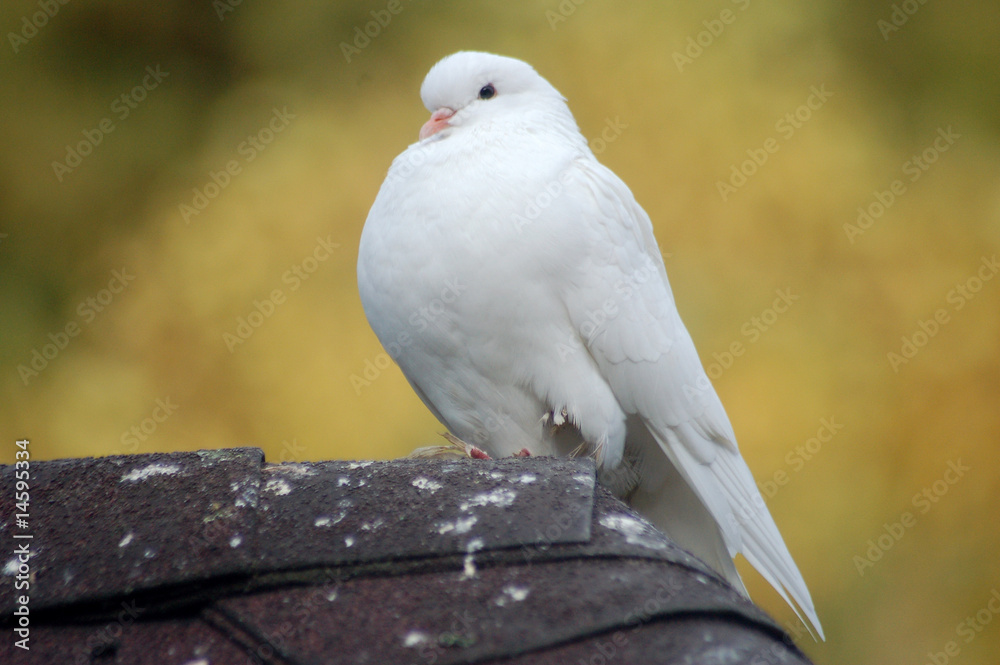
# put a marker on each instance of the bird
(518, 285)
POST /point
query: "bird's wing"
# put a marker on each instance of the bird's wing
(648, 358)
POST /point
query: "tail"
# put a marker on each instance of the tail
(714, 510)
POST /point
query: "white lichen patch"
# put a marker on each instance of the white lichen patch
(512, 594)
(343, 480)
(721, 656)
(135, 475)
(422, 483)
(501, 497)
(468, 567)
(360, 465)
(327, 520)
(349, 541)
(373, 525)
(461, 525)
(635, 532)
(469, 564)
(415, 638)
(236, 541)
(292, 469)
(278, 486)
(492, 475)
(126, 540)
(246, 493)
(584, 479)
(527, 478)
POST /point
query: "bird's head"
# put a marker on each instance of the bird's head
(468, 88)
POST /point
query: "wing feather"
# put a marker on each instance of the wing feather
(649, 360)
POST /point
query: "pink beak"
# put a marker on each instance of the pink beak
(438, 121)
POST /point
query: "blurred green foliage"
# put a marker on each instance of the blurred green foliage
(229, 190)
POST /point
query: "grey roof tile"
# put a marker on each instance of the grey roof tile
(346, 512)
(215, 557)
(113, 525)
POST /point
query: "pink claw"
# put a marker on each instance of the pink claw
(477, 453)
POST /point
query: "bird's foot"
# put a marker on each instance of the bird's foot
(558, 419)
(455, 448)
(523, 452)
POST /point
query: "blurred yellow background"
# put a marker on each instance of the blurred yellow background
(183, 186)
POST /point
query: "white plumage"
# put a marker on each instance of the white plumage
(518, 284)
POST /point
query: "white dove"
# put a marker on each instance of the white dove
(520, 288)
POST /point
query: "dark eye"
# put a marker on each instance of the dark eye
(487, 91)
